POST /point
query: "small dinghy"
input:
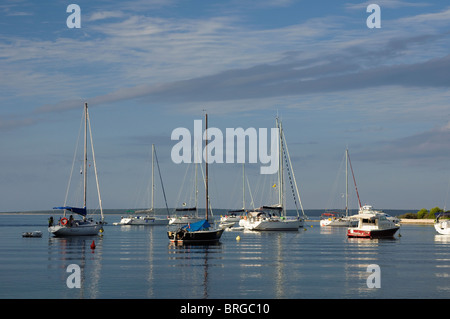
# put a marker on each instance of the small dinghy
(35, 233)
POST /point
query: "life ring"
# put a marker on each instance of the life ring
(64, 221)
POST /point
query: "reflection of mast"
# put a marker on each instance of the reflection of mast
(205, 275)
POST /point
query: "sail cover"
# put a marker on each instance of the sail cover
(80, 211)
(200, 225)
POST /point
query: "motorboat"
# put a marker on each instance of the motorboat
(369, 209)
(373, 225)
(442, 226)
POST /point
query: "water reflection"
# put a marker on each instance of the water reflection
(76, 250)
(193, 262)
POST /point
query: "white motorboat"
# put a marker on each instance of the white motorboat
(274, 217)
(442, 226)
(373, 225)
(369, 209)
(84, 227)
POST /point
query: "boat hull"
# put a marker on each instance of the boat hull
(374, 233)
(82, 230)
(442, 228)
(272, 224)
(200, 237)
(143, 221)
(338, 222)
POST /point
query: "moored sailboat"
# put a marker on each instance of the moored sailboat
(274, 217)
(147, 216)
(85, 226)
(442, 226)
(200, 232)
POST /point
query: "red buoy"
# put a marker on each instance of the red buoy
(93, 245)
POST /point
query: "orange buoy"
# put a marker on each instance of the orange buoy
(93, 245)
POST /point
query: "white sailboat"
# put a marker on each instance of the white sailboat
(187, 215)
(233, 217)
(81, 227)
(273, 217)
(146, 216)
(442, 226)
(334, 218)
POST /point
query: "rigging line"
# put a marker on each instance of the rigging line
(162, 185)
(95, 165)
(293, 174)
(73, 162)
(354, 181)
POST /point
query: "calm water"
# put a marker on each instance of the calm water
(139, 262)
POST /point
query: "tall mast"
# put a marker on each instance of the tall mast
(206, 163)
(346, 182)
(153, 176)
(85, 152)
(243, 186)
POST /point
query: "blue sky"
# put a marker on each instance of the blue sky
(148, 67)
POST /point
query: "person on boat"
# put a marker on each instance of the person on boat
(50, 221)
(70, 221)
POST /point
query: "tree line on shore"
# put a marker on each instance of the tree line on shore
(424, 214)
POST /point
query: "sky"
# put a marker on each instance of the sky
(146, 68)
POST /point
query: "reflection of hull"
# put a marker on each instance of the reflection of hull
(443, 227)
(87, 229)
(373, 233)
(201, 236)
(143, 221)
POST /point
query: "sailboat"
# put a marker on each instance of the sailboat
(200, 232)
(186, 215)
(232, 217)
(80, 227)
(148, 219)
(274, 217)
(335, 219)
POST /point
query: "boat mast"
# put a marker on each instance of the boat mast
(243, 186)
(346, 182)
(206, 163)
(85, 153)
(153, 176)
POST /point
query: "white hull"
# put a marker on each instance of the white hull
(184, 220)
(443, 227)
(143, 221)
(88, 229)
(268, 224)
(338, 222)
